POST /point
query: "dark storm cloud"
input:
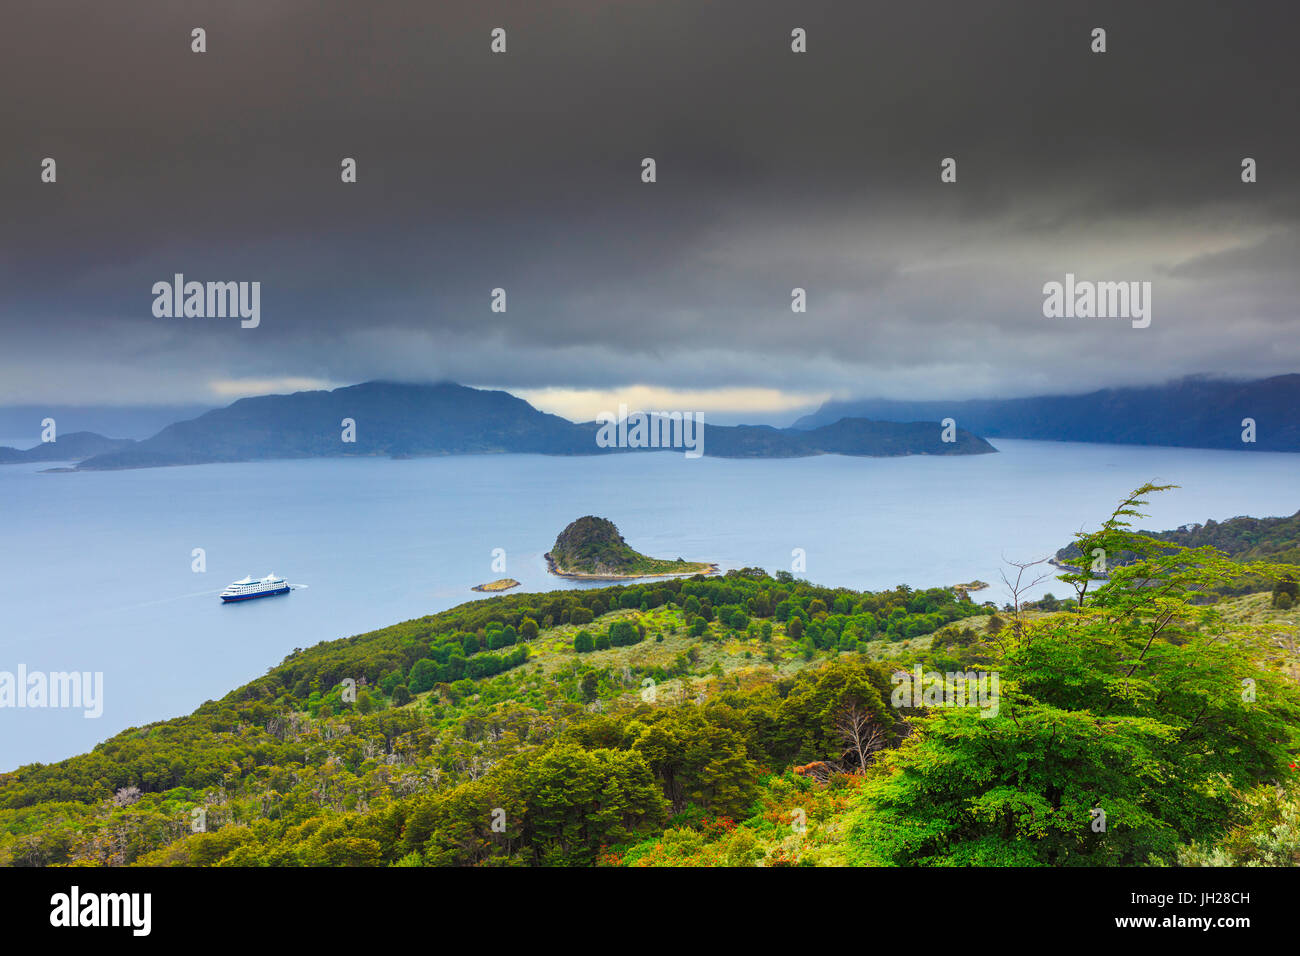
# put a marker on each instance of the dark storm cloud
(522, 171)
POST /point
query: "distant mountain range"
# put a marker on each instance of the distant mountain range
(124, 421)
(399, 420)
(1192, 413)
(71, 447)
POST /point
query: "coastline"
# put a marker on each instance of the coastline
(1071, 569)
(553, 568)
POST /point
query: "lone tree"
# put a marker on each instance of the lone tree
(1143, 703)
(861, 735)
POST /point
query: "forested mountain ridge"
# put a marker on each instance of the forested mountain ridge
(1255, 539)
(442, 700)
(1275, 540)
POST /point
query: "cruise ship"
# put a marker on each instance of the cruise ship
(248, 588)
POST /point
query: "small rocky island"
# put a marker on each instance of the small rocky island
(500, 584)
(592, 548)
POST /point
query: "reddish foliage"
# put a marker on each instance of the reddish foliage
(607, 857)
(816, 768)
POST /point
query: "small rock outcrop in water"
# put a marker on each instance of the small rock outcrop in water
(592, 547)
(500, 584)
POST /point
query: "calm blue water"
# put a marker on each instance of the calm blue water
(95, 568)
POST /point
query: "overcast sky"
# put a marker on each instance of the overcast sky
(523, 171)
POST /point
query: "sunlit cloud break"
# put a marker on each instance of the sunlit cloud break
(246, 387)
(583, 405)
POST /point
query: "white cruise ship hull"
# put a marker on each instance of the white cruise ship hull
(248, 590)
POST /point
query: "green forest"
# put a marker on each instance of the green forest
(747, 719)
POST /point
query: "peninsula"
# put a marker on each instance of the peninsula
(592, 548)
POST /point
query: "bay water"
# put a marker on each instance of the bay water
(97, 568)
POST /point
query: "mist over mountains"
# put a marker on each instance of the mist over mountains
(1190, 413)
